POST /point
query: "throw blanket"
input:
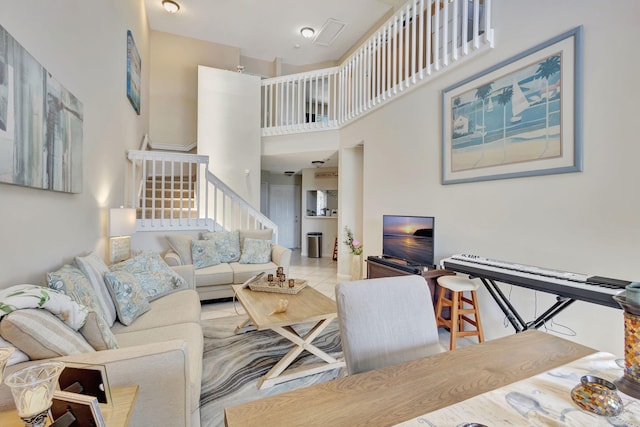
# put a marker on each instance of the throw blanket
(32, 296)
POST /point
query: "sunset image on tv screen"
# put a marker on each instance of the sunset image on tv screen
(409, 238)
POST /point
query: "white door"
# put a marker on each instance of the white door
(284, 210)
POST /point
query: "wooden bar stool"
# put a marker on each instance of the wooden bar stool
(458, 313)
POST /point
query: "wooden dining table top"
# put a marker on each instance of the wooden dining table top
(397, 393)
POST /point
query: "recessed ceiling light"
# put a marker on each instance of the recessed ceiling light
(317, 163)
(307, 32)
(289, 173)
(170, 6)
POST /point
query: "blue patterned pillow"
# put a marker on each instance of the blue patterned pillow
(256, 251)
(204, 253)
(127, 295)
(154, 275)
(227, 244)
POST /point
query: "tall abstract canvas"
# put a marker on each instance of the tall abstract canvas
(40, 124)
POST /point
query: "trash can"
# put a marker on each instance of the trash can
(314, 245)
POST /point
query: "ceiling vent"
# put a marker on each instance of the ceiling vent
(326, 174)
(329, 32)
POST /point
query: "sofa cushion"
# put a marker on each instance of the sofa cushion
(128, 296)
(179, 307)
(255, 251)
(266, 234)
(94, 268)
(41, 335)
(181, 244)
(227, 244)
(220, 274)
(73, 283)
(243, 272)
(204, 253)
(191, 333)
(97, 333)
(154, 275)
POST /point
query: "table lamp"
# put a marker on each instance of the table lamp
(122, 224)
(32, 389)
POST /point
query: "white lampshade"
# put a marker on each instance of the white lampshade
(122, 222)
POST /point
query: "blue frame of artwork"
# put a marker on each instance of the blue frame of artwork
(521, 117)
(134, 65)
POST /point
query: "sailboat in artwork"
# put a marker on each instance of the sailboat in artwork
(519, 103)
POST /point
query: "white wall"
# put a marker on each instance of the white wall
(83, 45)
(229, 129)
(584, 222)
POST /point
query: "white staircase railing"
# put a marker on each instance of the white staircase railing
(419, 42)
(176, 191)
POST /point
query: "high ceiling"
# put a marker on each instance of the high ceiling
(270, 29)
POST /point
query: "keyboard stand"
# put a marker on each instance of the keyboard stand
(512, 314)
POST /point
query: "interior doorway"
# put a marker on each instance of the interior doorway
(284, 210)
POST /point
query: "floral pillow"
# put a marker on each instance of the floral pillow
(256, 251)
(72, 282)
(227, 244)
(154, 275)
(127, 295)
(204, 253)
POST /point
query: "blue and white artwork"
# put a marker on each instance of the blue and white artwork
(521, 117)
(512, 119)
(40, 124)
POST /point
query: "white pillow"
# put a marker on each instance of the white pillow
(95, 269)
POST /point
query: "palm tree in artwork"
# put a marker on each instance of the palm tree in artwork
(546, 69)
(504, 97)
(482, 93)
(456, 105)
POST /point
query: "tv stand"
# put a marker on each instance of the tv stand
(380, 266)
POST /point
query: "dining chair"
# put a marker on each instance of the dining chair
(386, 321)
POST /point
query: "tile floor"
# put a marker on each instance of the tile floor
(322, 275)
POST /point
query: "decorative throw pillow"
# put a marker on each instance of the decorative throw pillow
(204, 253)
(154, 275)
(17, 356)
(227, 244)
(94, 268)
(181, 244)
(97, 333)
(72, 282)
(266, 234)
(256, 251)
(19, 297)
(127, 295)
(41, 335)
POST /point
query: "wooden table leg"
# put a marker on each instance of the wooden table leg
(279, 373)
(245, 326)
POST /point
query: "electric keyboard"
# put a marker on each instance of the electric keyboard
(575, 286)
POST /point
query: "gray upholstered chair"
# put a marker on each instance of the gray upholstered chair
(386, 321)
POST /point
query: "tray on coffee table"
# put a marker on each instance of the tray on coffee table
(266, 286)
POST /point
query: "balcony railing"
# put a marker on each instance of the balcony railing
(416, 44)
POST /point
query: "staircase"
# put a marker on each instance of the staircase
(171, 197)
(177, 191)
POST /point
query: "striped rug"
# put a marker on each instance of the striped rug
(232, 364)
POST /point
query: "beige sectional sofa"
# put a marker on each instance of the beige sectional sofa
(160, 351)
(214, 282)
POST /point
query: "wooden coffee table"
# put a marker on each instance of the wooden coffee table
(307, 306)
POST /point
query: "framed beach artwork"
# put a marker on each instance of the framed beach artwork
(134, 65)
(521, 117)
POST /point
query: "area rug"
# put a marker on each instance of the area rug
(232, 364)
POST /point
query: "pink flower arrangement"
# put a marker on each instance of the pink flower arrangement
(354, 245)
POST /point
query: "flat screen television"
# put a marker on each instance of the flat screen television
(408, 238)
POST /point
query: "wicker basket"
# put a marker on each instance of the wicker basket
(264, 286)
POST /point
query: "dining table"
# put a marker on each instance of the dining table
(404, 392)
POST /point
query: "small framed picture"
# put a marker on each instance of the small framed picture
(85, 409)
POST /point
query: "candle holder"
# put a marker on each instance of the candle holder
(292, 283)
(629, 383)
(32, 389)
(5, 354)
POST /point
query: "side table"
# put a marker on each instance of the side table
(115, 415)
